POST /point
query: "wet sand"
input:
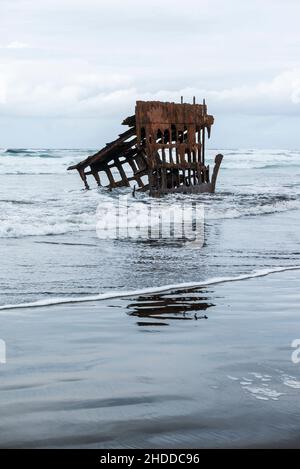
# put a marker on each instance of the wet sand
(203, 367)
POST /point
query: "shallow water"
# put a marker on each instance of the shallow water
(49, 247)
(144, 370)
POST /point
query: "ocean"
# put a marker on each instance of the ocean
(130, 342)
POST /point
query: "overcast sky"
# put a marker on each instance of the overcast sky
(71, 70)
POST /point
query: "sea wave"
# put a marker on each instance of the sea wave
(165, 288)
(75, 211)
(44, 152)
(56, 204)
(24, 161)
(38, 161)
(252, 208)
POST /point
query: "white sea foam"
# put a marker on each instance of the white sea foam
(55, 161)
(145, 291)
(47, 214)
(259, 386)
(259, 159)
(35, 162)
(60, 211)
(238, 211)
(263, 393)
(291, 381)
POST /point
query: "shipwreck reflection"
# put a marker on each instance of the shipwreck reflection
(158, 309)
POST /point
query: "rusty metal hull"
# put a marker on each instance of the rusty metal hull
(194, 188)
(163, 151)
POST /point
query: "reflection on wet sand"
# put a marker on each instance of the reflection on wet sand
(179, 305)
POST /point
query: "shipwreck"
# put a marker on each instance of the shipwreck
(162, 151)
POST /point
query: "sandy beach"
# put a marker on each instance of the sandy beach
(143, 372)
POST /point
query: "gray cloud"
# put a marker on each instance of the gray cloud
(90, 60)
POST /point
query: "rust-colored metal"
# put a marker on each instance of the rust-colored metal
(163, 151)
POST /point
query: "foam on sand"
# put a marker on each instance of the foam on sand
(145, 291)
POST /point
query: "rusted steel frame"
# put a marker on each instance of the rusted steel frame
(83, 177)
(121, 138)
(108, 148)
(128, 155)
(117, 152)
(144, 188)
(96, 176)
(138, 166)
(135, 170)
(203, 146)
(110, 177)
(140, 161)
(129, 132)
(177, 132)
(218, 161)
(163, 172)
(129, 121)
(198, 171)
(122, 172)
(138, 174)
(204, 186)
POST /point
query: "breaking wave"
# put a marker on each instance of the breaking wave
(38, 161)
(22, 161)
(55, 203)
(80, 211)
